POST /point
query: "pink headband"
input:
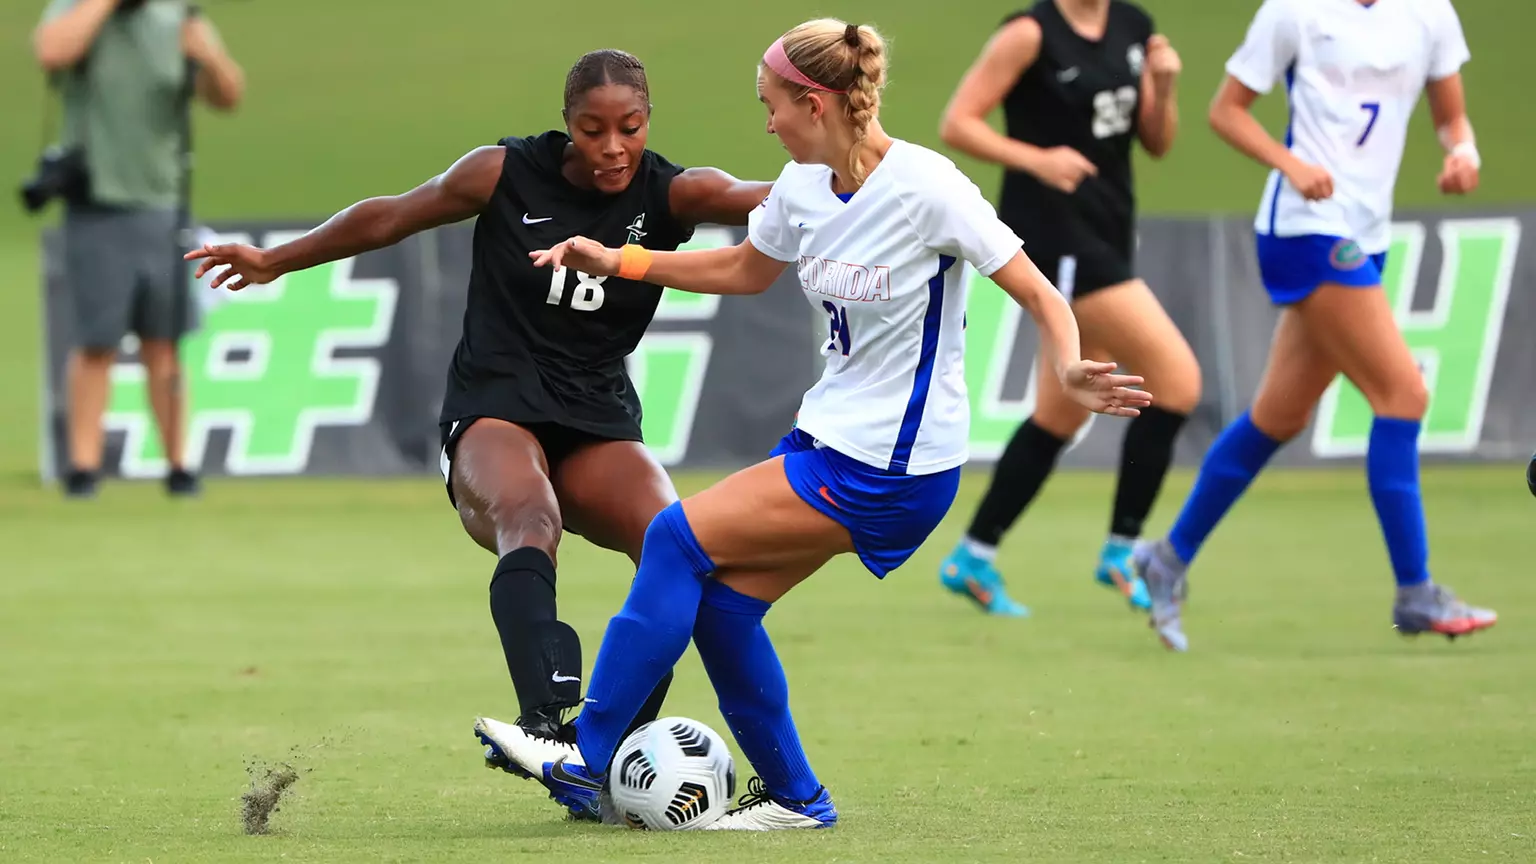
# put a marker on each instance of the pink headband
(775, 58)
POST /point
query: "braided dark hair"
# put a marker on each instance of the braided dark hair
(605, 66)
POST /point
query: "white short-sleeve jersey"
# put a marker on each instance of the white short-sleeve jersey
(1353, 74)
(882, 267)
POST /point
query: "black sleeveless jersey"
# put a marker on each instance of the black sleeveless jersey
(1085, 95)
(548, 346)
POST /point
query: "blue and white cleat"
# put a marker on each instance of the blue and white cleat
(976, 578)
(551, 759)
(1118, 571)
(761, 810)
(1167, 588)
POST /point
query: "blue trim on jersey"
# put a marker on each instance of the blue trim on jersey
(888, 515)
(1292, 268)
(845, 197)
(1290, 124)
(913, 418)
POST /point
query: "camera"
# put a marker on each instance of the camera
(61, 173)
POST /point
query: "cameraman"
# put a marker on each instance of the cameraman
(122, 70)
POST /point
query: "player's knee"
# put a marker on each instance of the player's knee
(1280, 424)
(522, 521)
(97, 355)
(1407, 400)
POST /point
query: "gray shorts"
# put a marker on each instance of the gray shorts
(124, 276)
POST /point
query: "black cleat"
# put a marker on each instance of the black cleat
(182, 483)
(80, 485)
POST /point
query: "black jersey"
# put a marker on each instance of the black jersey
(548, 346)
(1086, 95)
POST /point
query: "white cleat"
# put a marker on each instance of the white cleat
(1168, 587)
(760, 812)
(528, 751)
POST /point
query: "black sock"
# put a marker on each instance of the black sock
(1144, 459)
(523, 607)
(1026, 462)
(544, 654)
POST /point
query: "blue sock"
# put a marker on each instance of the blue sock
(1392, 470)
(754, 695)
(1237, 456)
(646, 638)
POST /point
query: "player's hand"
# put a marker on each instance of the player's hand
(1063, 169)
(1459, 176)
(1312, 181)
(1095, 386)
(1163, 62)
(244, 265)
(588, 256)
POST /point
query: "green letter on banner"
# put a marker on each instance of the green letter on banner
(263, 366)
(668, 368)
(1455, 341)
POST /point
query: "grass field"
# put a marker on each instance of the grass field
(148, 652)
(151, 651)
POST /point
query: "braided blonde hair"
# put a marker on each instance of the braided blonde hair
(847, 58)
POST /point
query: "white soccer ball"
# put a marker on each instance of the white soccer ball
(673, 774)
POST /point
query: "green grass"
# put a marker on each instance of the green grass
(149, 650)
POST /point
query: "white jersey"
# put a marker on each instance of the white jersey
(883, 267)
(1353, 74)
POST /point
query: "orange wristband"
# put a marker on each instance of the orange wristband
(634, 262)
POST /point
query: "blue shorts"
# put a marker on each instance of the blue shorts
(888, 515)
(1293, 267)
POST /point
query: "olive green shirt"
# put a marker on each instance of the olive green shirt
(124, 103)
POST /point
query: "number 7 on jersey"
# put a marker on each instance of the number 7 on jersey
(1374, 108)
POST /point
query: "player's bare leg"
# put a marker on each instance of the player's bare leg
(1357, 329)
(1295, 376)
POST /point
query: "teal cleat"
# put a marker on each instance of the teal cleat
(1117, 571)
(976, 578)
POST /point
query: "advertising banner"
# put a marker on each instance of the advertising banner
(340, 369)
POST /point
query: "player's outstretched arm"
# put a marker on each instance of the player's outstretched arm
(1092, 384)
(457, 194)
(739, 269)
(700, 195)
(1448, 108)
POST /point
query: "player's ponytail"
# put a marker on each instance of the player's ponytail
(840, 58)
(864, 92)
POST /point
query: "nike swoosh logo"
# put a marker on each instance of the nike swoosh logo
(558, 773)
(828, 496)
(527, 221)
(562, 679)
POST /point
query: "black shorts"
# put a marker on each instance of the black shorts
(557, 440)
(1086, 266)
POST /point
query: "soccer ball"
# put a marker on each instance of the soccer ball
(672, 774)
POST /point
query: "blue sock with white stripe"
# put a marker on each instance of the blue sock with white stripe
(1235, 458)
(754, 694)
(1392, 471)
(646, 638)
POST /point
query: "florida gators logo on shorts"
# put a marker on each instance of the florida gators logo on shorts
(1346, 255)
